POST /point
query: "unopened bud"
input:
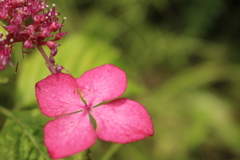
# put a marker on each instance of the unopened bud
(28, 44)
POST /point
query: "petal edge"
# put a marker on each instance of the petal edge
(122, 121)
(57, 95)
(68, 135)
(102, 83)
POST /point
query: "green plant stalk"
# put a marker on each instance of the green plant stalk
(112, 150)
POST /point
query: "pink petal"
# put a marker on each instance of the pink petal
(122, 121)
(68, 135)
(102, 84)
(57, 95)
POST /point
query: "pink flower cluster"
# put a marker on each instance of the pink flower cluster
(71, 101)
(30, 22)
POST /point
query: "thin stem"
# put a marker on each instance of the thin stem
(111, 151)
(87, 155)
(49, 64)
(7, 113)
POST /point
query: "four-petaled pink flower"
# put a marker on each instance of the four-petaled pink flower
(71, 101)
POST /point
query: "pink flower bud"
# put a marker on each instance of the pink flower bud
(18, 20)
(59, 68)
(37, 19)
(52, 60)
(54, 51)
(4, 14)
(52, 45)
(54, 26)
(30, 30)
(60, 35)
(45, 33)
(28, 44)
(17, 3)
(5, 55)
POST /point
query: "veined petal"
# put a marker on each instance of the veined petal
(102, 84)
(122, 121)
(69, 135)
(57, 95)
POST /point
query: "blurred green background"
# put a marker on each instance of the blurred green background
(182, 58)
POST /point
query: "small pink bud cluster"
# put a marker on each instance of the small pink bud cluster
(31, 22)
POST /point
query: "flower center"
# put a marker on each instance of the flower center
(88, 106)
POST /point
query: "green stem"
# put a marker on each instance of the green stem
(112, 150)
(87, 155)
(7, 113)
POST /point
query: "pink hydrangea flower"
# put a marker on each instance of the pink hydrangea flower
(32, 22)
(71, 101)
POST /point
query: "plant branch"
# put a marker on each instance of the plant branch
(49, 64)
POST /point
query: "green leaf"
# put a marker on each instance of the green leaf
(22, 136)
